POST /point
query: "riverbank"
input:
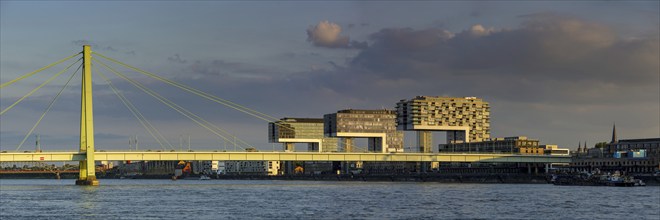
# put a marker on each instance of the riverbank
(412, 177)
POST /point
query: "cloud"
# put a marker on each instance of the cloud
(547, 59)
(102, 47)
(542, 48)
(230, 70)
(95, 46)
(289, 55)
(562, 63)
(557, 78)
(327, 34)
(176, 59)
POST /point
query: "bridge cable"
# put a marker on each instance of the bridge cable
(205, 95)
(38, 87)
(361, 149)
(136, 113)
(50, 105)
(173, 105)
(176, 107)
(202, 94)
(39, 70)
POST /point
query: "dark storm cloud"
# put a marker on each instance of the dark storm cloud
(548, 58)
(358, 45)
(560, 71)
(542, 48)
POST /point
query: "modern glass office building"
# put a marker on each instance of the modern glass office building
(463, 118)
(378, 126)
(289, 131)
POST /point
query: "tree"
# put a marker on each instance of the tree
(600, 145)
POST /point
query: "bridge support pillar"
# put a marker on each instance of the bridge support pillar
(345, 167)
(529, 168)
(424, 141)
(348, 144)
(289, 147)
(287, 167)
(87, 167)
(88, 182)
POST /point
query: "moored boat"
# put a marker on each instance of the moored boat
(589, 179)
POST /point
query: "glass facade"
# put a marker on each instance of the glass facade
(301, 128)
(366, 122)
(651, 145)
(443, 113)
(520, 145)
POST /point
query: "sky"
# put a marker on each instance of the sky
(562, 72)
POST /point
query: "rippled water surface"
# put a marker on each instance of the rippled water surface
(263, 199)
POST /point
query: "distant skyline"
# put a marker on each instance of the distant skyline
(562, 72)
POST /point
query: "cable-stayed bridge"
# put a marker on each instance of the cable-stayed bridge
(86, 155)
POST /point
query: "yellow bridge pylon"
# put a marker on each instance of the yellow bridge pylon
(87, 166)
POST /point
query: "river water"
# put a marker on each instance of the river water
(266, 199)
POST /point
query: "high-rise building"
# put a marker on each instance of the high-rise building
(289, 131)
(464, 119)
(378, 126)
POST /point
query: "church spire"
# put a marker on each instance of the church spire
(585, 147)
(614, 140)
(579, 150)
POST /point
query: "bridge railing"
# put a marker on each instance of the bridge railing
(282, 156)
(267, 151)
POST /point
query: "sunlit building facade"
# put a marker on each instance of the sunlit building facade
(378, 126)
(519, 144)
(465, 119)
(289, 131)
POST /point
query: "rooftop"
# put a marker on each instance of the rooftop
(639, 140)
(425, 98)
(303, 120)
(361, 111)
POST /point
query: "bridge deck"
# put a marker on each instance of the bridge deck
(283, 156)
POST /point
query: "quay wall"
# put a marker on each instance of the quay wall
(650, 180)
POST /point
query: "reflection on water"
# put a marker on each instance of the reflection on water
(216, 199)
(88, 199)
